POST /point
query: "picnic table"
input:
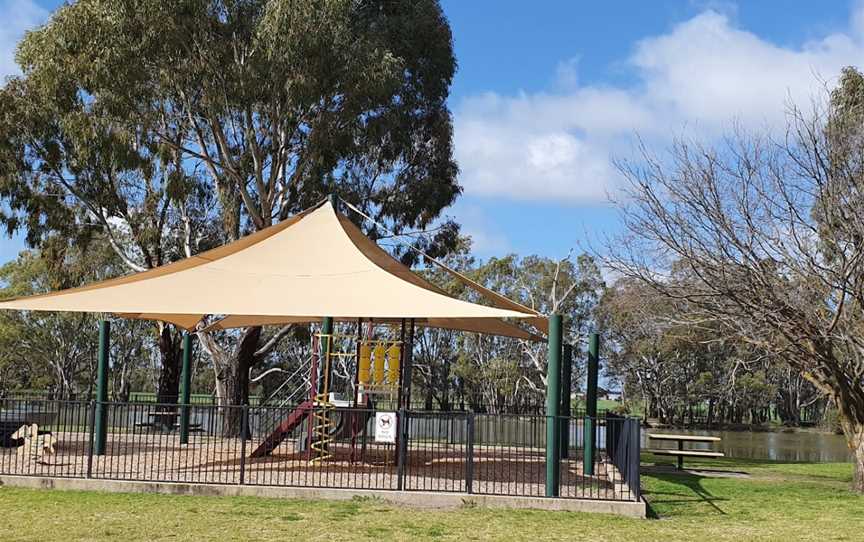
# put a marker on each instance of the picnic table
(680, 452)
(166, 420)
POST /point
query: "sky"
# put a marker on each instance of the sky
(549, 93)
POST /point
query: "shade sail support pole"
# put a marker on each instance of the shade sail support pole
(566, 391)
(553, 403)
(185, 388)
(591, 403)
(326, 346)
(101, 421)
(402, 365)
(408, 347)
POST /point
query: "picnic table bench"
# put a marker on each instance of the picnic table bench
(680, 452)
(166, 420)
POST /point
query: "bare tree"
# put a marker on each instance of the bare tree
(765, 237)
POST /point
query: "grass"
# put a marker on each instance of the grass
(779, 501)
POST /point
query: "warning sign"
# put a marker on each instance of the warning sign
(385, 427)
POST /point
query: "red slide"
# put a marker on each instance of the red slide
(283, 429)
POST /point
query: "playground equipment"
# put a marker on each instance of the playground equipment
(375, 364)
(34, 446)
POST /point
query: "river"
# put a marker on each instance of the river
(804, 446)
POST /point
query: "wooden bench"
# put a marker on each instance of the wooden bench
(680, 452)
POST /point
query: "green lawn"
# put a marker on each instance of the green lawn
(778, 502)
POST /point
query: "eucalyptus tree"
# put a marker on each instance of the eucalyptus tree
(772, 233)
(57, 351)
(71, 174)
(272, 104)
(499, 371)
(570, 286)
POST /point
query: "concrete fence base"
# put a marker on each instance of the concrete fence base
(417, 499)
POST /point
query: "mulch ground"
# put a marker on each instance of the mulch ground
(431, 466)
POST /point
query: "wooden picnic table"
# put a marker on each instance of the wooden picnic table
(680, 452)
(166, 420)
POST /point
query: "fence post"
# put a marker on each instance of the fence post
(591, 404)
(469, 453)
(553, 402)
(185, 383)
(101, 428)
(91, 421)
(402, 448)
(244, 429)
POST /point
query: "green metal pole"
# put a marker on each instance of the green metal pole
(101, 421)
(326, 345)
(185, 388)
(566, 383)
(553, 402)
(591, 403)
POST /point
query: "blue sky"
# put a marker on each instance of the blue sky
(548, 92)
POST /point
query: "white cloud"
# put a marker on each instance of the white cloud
(486, 240)
(18, 16)
(700, 76)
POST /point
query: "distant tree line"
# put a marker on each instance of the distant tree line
(686, 374)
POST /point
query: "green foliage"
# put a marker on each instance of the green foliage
(486, 372)
(56, 351)
(678, 367)
(277, 103)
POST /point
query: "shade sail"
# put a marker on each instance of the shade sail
(490, 326)
(315, 264)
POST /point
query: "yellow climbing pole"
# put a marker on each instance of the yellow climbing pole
(323, 411)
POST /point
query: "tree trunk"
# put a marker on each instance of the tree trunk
(444, 386)
(244, 361)
(857, 445)
(169, 376)
(850, 409)
(168, 390)
(710, 416)
(237, 381)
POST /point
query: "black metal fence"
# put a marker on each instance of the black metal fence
(307, 446)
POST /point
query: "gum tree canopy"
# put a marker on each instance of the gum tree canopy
(173, 126)
(765, 238)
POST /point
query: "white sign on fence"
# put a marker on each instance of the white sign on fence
(385, 427)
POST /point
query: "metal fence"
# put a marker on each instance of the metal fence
(307, 446)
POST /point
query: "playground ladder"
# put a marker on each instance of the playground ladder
(295, 389)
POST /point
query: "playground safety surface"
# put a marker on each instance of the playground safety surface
(430, 466)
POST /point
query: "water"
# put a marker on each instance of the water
(804, 446)
(797, 446)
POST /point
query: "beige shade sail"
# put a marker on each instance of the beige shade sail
(489, 326)
(315, 264)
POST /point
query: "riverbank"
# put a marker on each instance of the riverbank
(776, 501)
